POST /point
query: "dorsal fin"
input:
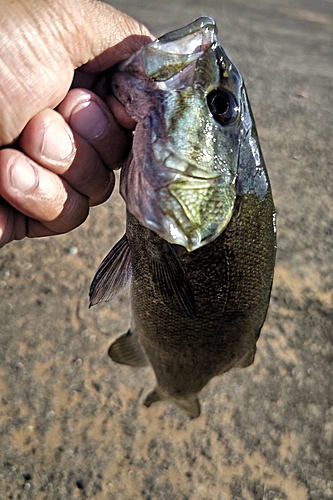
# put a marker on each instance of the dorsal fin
(113, 275)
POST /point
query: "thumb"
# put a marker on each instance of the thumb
(110, 37)
(45, 41)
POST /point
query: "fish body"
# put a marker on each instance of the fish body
(199, 248)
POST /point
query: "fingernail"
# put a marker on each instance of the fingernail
(89, 120)
(57, 143)
(22, 175)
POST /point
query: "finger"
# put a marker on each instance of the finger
(93, 121)
(61, 36)
(15, 226)
(7, 224)
(120, 114)
(114, 37)
(40, 194)
(85, 80)
(49, 141)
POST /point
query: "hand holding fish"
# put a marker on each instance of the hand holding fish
(56, 163)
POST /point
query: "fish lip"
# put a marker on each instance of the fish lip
(168, 55)
(204, 27)
(180, 48)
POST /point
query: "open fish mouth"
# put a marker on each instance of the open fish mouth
(180, 181)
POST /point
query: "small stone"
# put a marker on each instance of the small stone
(73, 250)
(80, 484)
(301, 92)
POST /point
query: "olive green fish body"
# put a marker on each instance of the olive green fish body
(200, 242)
(231, 282)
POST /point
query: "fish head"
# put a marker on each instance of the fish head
(192, 115)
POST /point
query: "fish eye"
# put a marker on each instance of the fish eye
(222, 105)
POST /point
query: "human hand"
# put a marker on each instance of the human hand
(56, 163)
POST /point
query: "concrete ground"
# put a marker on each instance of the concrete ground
(72, 422)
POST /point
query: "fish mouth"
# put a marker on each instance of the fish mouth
(167, 56)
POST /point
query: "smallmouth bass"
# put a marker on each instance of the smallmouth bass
(200, 241)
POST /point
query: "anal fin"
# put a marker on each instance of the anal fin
(247, 359)
(127, 351)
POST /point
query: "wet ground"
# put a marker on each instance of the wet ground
(72, 423)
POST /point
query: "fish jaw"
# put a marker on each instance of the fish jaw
(181, 179)
(168, 56)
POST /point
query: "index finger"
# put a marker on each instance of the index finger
(93, 121)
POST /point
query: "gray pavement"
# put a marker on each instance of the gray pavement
(72, 424)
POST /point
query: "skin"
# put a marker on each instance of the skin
(61, 136)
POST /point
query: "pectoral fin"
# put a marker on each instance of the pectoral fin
(113, 275)
(171, 282)
(128, 351)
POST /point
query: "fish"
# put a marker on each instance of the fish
(199, 249)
